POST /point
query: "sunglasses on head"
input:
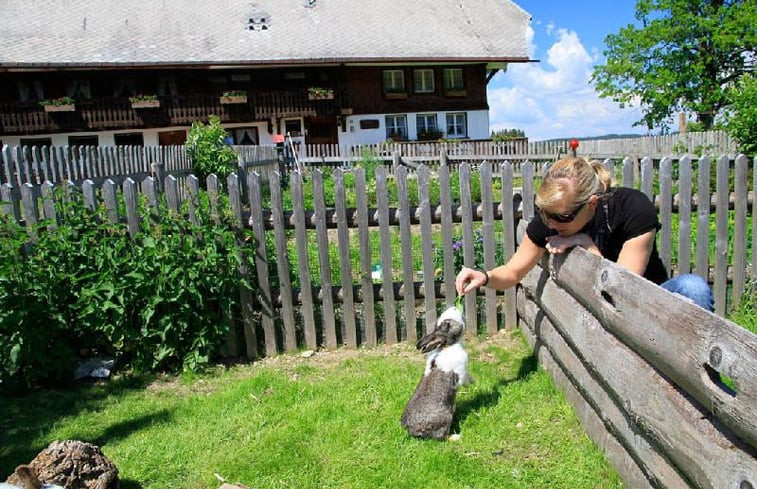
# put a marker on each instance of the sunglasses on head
(562, 218)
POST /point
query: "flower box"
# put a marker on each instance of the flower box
(60, 108)
(395, 95)
(60, 104)
(233, 99)
(321, 96)
(145, 104)
(318, 93)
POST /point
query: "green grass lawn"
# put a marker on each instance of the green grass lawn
(327, 421)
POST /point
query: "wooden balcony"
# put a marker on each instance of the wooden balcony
(118, 113)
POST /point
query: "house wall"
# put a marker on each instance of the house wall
(359, 90)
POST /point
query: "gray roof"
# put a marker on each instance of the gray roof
(60, 33)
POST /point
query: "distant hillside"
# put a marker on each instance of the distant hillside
(606, 136)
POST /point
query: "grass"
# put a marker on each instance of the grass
(327, 421)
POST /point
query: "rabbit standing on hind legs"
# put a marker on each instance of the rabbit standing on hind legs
(430, 410)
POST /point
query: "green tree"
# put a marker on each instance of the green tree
(206, 146)
(741, 122)
(685, 56)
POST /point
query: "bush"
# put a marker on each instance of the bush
(156, 302)
(207, 148)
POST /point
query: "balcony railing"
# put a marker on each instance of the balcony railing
(118, 113)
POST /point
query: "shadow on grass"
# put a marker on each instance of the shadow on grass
(528, 365)
(27, 419)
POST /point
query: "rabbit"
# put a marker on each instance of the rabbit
(430, 410)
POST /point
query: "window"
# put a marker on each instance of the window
(425, 123)
(456, 125)
(246, 136)
(38, 142)
(293, 127)
(394, 81)
(453, 79)
(91, 140)
(79, 89)
(172, 138)
(423, 80)
(396, 127)
(129, 139)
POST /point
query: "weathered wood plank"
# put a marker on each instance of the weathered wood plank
(706, 454)
(487, 234)
(245, 295)
(387, 288)
(303, 261)
(739, 229)
(327, 300)
(466, 201)
(666, 212)
(445, 200)
(407, 290)
(366, 267)
(703, 219)
(427, 246)
(130, 205)
(282, 264)
(345, 266)
(684, 215)
(607, 424)
(265, 296)
(655, 322)
(508, 227)
(48, 205)
(720, 287)
(111, 201)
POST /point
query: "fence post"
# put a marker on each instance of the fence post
(159, 172)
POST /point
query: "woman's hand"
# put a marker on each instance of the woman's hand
(560, 244)
(469, 279)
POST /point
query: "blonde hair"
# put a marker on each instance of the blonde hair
(573, 178)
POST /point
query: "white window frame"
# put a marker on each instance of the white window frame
(423, 80)
(456, 125)
(394, 81)
(422, 123)
(396, 123)
(453, 79)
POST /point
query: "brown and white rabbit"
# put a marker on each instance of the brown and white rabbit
(430, 410)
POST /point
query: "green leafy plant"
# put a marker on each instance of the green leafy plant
(57, 102)
(207, 148)
(234, 93)
(158, 301)
(741, 123)
(320, 92)
(143, 98)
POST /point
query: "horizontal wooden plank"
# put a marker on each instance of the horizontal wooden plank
(674, 426)
(687, 343)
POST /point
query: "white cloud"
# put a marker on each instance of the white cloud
(553, 98)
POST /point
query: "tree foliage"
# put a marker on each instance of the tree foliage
(741, 122)
(686, 55)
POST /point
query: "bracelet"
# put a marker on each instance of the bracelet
(486, 274)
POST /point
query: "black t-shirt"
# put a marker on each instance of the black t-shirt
(621, 215)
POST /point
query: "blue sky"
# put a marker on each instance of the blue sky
(553, 98)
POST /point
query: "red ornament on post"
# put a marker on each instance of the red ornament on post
(573, 145)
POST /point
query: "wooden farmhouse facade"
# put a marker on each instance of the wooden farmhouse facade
(320, 71)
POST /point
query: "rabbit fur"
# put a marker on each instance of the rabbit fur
(431, 408)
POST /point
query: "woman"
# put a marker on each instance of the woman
(578, 207)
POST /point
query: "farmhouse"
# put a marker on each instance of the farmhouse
(320, 71)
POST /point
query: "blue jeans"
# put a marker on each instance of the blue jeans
(693, 287)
